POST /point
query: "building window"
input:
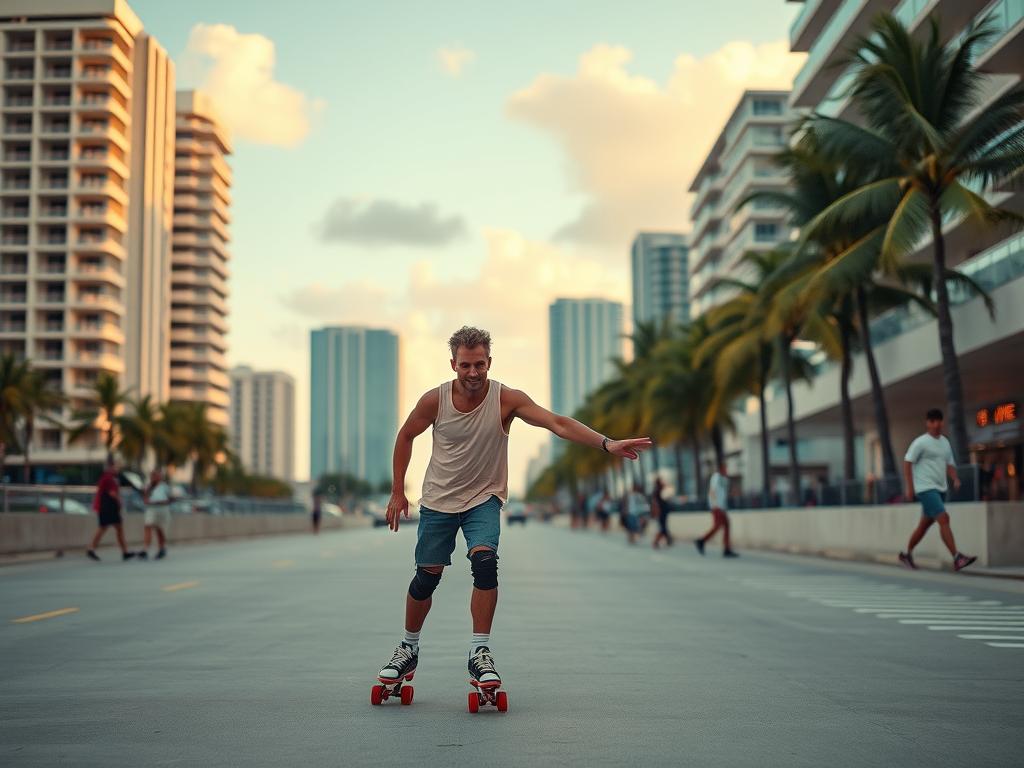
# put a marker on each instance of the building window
(766, 232)
(767, 107)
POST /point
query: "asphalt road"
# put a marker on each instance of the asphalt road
(262, 653)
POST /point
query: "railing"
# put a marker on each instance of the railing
(826, 42)
(1004, 16)
(807, 10)
(77, 499)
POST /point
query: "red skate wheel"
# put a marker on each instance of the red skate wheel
(474, 703)
(376, 695)
(502, 701)
(406, 694)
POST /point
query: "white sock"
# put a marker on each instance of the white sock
(413, 639)
(479, 638)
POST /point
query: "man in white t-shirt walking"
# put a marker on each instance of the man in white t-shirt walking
(926, 467)
(157, 498)
(718, 500)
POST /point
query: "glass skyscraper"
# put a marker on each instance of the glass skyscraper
(661, 282)
(353, 402)
(585, 336)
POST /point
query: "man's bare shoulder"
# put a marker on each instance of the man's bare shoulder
(514, 397)
(429, 399)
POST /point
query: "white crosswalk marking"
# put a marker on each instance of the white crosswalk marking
(991, 621)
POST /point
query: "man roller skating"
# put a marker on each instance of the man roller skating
(465, 486)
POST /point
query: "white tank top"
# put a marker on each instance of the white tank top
(469, 459)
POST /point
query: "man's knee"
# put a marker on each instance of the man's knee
(425, 582)
(484, 565)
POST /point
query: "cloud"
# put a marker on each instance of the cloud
(389, 222)
(509, 296)
(632, 145)
(237, 71)
(454, 60)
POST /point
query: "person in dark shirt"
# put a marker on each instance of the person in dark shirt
(659, 508)
(107, 505)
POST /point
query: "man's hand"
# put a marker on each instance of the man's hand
(631, 448)
(956, 483)
(397, 504)
(910, 494)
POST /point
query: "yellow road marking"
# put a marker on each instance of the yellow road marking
(47, 615)
(182, 585)
(283, 563)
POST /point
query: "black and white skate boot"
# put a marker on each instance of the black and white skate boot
(401, 666)
(481, 667)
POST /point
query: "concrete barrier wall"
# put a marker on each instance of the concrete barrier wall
(993, 531)
(29, 532)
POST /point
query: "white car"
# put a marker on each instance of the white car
(71, 506)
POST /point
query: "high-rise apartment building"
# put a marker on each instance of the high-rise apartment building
(661, 278)
(262, 421)
(991, 352)
(199, 277)
(353, 402)
(86, 145)
(740, 162)
(585, 337)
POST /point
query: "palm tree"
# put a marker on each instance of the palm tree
(108, 400)
(138, 431)
(38, 401)
(746, 353)
(13, 374)
(924, 146)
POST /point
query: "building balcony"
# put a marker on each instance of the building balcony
(206, 376)
(199, 354)
(810, 22)
(108, 332)
(106, 189)
(189, 315)
(101, 246)
(110, 77)
(108, 133)
(191, 298)
(200, 393)
(92, 301)
(105, 216)
(200, 261)
(94, 52)
(199, 334)
(104, 361)
(101, 106)
(87, 274)
(186, 279)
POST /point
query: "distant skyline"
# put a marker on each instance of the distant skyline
(419, 167)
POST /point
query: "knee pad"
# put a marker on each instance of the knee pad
(423, 584)
(484, 565)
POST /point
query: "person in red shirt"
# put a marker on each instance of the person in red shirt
(107, 504)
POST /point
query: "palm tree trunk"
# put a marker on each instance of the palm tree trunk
(877, 394)
(716, 442)
(846, 338)
(29, 426)
(794, 462)
(697, 479)
(680, 477)
(950, 365)
(766, 464)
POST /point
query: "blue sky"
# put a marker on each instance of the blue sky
(560, 108)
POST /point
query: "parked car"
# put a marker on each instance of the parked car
(375, 512)
(516, 512)
(71, 506)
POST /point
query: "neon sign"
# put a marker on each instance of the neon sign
(1003, 413)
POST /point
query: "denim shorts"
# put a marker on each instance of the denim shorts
(435, 535)
(933, 503)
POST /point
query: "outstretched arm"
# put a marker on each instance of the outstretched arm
(569, 429)
(422, 416)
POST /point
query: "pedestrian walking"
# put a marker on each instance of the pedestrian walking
(659, 508)
(465, 486)
(718, 501)
(638, 511)
(928, 465)
(157, 517)
(318, 510)
(107, 506)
